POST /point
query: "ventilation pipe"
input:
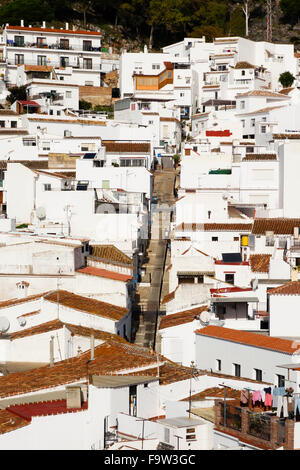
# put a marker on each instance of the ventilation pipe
(92, 347)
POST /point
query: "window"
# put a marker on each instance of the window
(132, 400)
(167, 435)
(214, 239)
(13, 124)
(187, 80)
(51, 112)
(47, 187)
(243, 72)
(58, 113)
(64, 61)
(155, 66)
(68, 94)
(19, 41)
(229, 278)
(29, 142)
(280, 380)
(105, 184)
(243, 122)
(258, 374)
(186, 279)
(87, 45)
(190, 434)
(41, 42)
(64, 44)
(236, 239)
(19, 59)
(242, 105)
(218, 364)
(87, 63)
(150, 122)
(41, 60)
(89, 83)
(263, 129)
(2, 123)
(181, 95)
(237, 370)
(46, 146)
(208, 214)
(252, 122)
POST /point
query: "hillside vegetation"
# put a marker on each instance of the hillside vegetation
(159, 22)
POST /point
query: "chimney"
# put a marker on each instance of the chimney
(67, 25)
(52, 351)
(92, 347)
(44, 24)
(73, 396)
(22, 23)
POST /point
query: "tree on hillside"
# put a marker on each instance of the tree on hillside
(286, 79)
(17, 93)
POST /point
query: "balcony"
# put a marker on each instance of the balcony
(57, 46)
(54, 62)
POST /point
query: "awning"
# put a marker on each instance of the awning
(233, 299)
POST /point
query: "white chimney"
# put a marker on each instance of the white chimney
(30, 26)
(22, 23)
(67, 25)
(44, 24)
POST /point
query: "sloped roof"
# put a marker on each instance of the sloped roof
(114, 146)
(268, 93)
(53, 30)
(260, 262)
(167, 298)
(10, 421)
(286, 91)
(111, 253)
(93, 271)
(87, 305)
(244, 65)
(290, 288)
(181, 318)
(280, 226)
(77, 330)
(250, 157)
(10, 302)
(215, 227)
(250, 339)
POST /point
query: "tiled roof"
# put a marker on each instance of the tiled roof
(126, 147)
(10, 421)
(261, 93)
(104, 273)
(8, 303)
(77, 330)
(244, 65)
(180, 318)
(52, 30)
(260, 262)
(45, 408)
(286, 91)
(214, 227)
(170, 372)
(110, 358)
(215, 392)
(37, 68)
(259, 157)
(111, 253)
(263, 110)
(66, 121)
(279, 226)
(167, 298)
(290, 288)
(86, 304)
(286, 136)
(227, 290)
(251, 339)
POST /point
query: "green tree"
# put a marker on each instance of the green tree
(17, 93)
(291, 11)
(86, 105)
(31, 11)
(286, 79)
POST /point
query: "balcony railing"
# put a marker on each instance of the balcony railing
(62, 47)
(233, 418)
(55, 63)
(259, 425)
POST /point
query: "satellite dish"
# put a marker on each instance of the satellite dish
(255, 284)
(22, 321)
(4, 324)
(41, 213)
(204, 318)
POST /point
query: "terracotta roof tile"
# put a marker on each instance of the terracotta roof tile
(215, 392)
(126, 147)
(259, 157)
(279, 226)
(91, 270)
(87, 305)
(260, 262)
(244, 65)
(167, 298)
(10, 302)
(37, 68)
(110, 358)
(10, 421)
(286, 91)
(286, 136)
(45, 408)
(77, 330)
(251, 339)
(215, 227)
(261, 93)
(50, 30)
(180, 318)
(111, 253)
(290, 288)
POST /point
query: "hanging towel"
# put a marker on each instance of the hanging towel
(244, 397)
(268, 399)
(296, 405)
(256, 396)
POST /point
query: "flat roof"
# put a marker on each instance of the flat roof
(234, 299)
(180, 422)
(117, 381)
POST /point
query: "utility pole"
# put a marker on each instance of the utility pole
(190, 397)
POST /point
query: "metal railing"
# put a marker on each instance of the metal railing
(54, 63)
(57, 46)
(281, 431)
